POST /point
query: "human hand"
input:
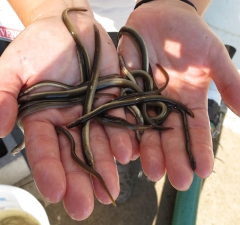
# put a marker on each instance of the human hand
(46, 51)
(179, 40)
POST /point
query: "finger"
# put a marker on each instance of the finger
(151, 154)
(201, 142)
(132, 135)
(8, 114)
(174, 147)
(104, 164)
(43, 155)
(78, 199)
(9, 88)
(225, 76)
(119, 139)
(174, 144)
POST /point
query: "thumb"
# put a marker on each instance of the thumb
(225, 76)
(10, 85)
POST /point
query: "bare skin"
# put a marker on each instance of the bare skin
(56, 174)
(186, 48)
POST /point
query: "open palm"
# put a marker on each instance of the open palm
(180, 41)
(46, 51)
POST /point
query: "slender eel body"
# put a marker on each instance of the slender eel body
(82, 52)
(88, 102)
(130, 101)
(81, 163)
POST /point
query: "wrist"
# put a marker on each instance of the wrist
(200, 6)
(30, 10)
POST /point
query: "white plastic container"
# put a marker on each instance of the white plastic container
(21, 203)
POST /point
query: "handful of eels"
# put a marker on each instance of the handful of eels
(133, 98)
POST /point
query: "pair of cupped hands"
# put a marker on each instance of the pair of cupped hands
(178, 39)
